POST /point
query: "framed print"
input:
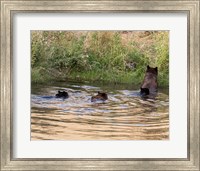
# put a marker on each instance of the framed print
(100, 85)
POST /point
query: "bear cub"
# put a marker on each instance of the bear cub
(99, 97)
(62, 94)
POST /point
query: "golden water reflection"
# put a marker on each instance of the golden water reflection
(125, 116)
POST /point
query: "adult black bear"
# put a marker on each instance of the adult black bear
(62, 94)
(150, 84)
(99, 97)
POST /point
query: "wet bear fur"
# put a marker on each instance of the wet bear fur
(150, 81)
(99, 97)
(62, 94)
(144, 92)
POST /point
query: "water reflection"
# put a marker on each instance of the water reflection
(124, 116)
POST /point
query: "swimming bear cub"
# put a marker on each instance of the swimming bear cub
(99, 97)
(144, 92)
(62, 94)
(150, 81)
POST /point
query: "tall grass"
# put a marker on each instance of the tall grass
(106, 56)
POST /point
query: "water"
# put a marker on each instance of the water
(124, 116)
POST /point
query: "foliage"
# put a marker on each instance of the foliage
(110, 56)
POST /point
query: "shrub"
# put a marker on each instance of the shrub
(98, 55)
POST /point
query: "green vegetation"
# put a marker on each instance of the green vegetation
(106, 56)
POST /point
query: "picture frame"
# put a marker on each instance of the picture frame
(10, 8)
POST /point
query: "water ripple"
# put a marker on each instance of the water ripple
(124, 116)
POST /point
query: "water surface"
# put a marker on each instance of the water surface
(124, 116)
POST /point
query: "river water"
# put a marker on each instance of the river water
(124, 116)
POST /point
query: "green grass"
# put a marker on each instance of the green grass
(98, 56)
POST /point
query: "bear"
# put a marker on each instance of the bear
(62, 94)
(150, 81)
(144, 92)
(99, 97)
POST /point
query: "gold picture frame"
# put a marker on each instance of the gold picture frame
(10, 8)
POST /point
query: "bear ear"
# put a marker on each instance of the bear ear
(156, 68)
(99, 92)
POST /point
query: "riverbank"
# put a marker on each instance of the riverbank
(111, 57)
